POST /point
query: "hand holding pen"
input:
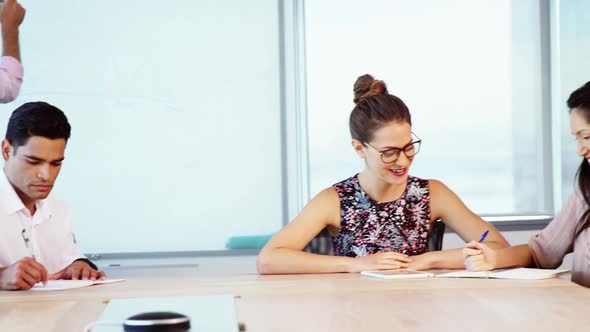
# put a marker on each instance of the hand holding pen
(23, 274)
(478, 256)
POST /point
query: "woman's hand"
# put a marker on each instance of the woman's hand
(422, 262)
(479, 257)
(380, 261)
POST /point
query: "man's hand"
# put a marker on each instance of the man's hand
(12, 15)
(78, 270)
(23, 274)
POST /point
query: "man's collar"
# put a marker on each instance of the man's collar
(9, 200)
(10, 203)
(43, 209)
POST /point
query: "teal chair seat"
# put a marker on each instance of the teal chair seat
(247, 241)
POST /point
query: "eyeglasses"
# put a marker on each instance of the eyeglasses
(391, 155)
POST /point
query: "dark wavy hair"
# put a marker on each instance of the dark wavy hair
(36, 119)
(579, 101)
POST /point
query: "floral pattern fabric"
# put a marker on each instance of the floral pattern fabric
(368, 227)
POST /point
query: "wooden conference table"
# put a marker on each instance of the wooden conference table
(329, 302)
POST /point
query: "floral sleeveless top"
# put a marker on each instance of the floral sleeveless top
(368, 227)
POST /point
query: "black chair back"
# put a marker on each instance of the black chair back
(322, 243)
(435, 238)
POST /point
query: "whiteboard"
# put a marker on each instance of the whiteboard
(175, 114)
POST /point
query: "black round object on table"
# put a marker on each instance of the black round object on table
(157, 322)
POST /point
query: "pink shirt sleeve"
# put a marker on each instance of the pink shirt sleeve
(550, 246)
(11, 77)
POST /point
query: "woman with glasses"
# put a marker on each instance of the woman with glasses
(569, 231)
(380, 218)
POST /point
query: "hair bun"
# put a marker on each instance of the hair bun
(366, 86)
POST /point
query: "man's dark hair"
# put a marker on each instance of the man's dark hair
(36, 119)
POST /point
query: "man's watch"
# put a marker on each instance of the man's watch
(87, 261)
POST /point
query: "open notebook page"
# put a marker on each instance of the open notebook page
(70, 284)
(517, 273)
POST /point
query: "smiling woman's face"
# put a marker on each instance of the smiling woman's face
(392, 135)
(580, 128)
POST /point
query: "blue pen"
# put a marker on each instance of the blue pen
(483, 236)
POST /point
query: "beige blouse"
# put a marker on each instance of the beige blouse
(557, 240)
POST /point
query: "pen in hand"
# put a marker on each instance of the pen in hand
(474, 249)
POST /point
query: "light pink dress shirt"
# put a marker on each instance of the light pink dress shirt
(11, 77)
(557, 240)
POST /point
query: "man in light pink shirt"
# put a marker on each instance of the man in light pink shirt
(11, 69)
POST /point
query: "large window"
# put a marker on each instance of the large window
(471, 73)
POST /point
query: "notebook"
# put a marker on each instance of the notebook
(517, 273)
(70, 284)
(397, 274)
(211, 313)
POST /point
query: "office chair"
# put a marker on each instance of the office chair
(435, 238)
(321, 244)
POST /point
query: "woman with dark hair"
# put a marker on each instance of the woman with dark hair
(380, 218)
(568, 232)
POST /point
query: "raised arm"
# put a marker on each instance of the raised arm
(284, 254)
(11, 70)
(445, 205)
(11, 17)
